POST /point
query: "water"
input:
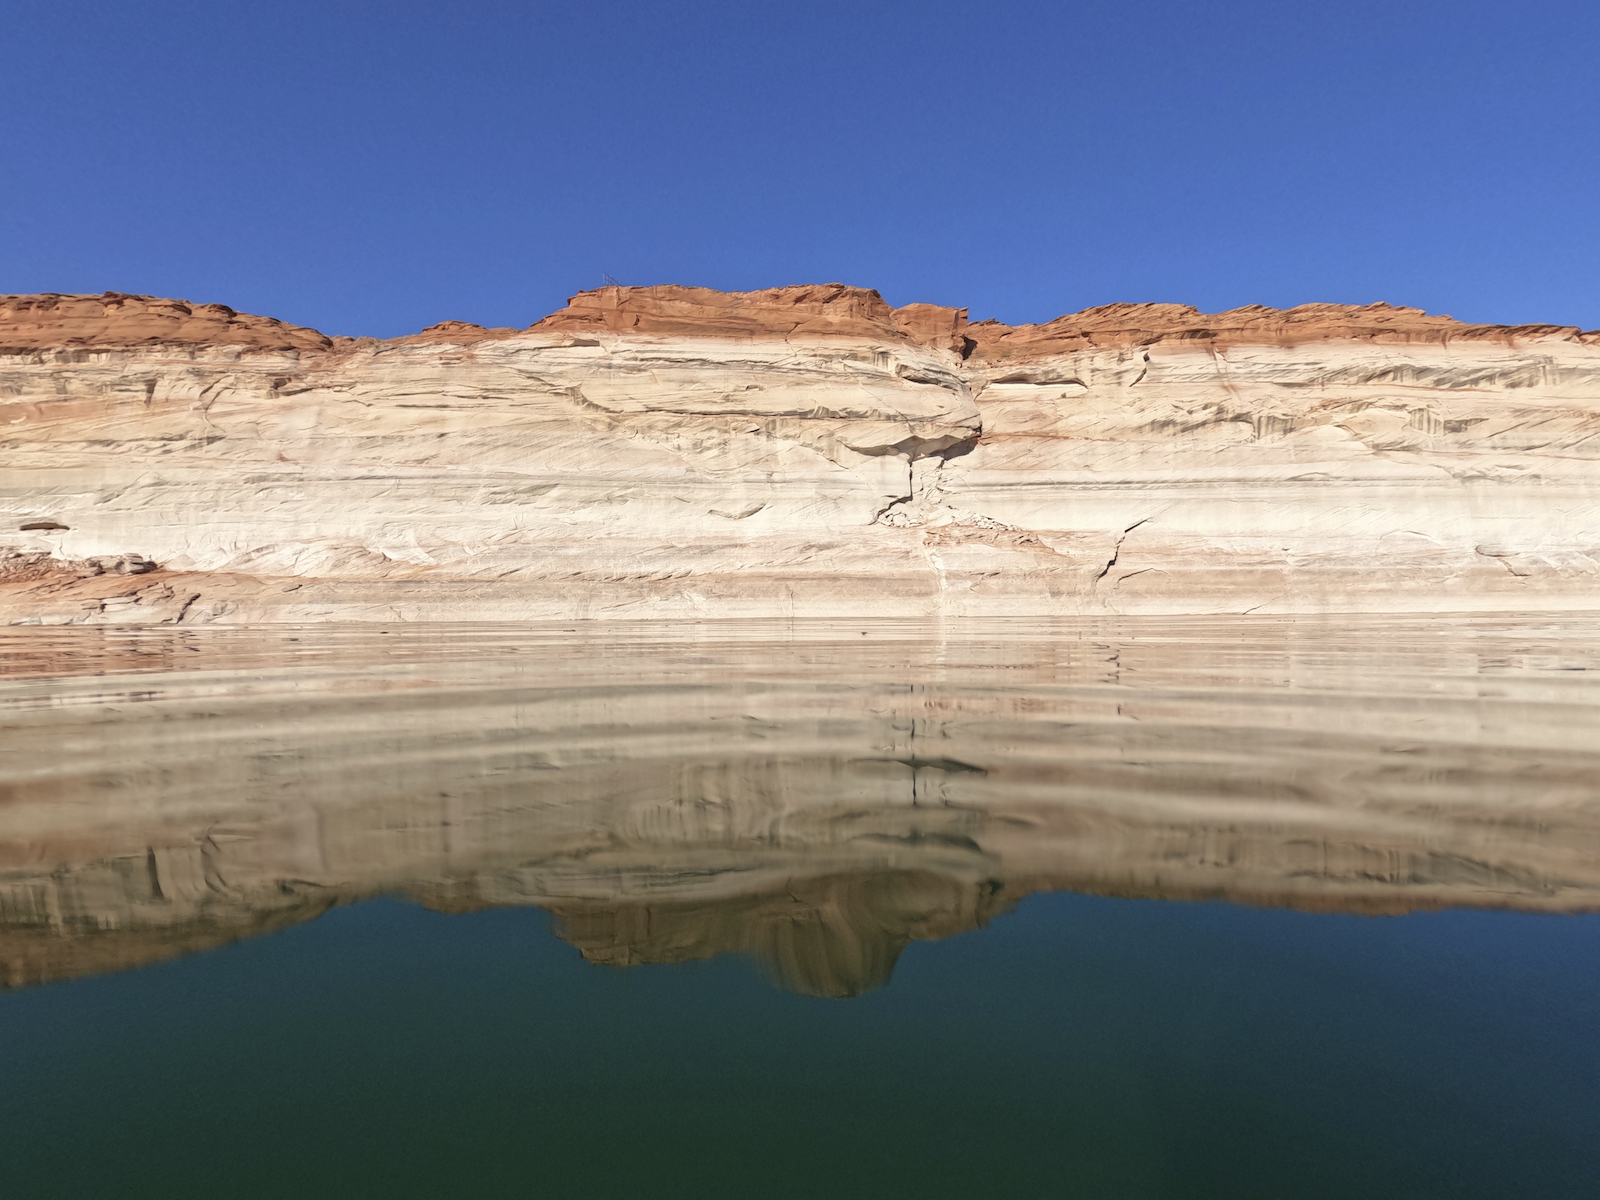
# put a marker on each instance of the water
(1126, 909)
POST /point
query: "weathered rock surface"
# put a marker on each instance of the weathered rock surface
(797, 451)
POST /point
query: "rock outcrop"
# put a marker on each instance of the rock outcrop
(797, 451)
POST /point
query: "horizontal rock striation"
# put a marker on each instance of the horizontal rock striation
(790, 452)
(815, 801)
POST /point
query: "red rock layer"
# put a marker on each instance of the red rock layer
(1116, 325)
(456, 333)
(811, 310)
(115, 320)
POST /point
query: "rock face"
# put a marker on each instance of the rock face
(791, 452)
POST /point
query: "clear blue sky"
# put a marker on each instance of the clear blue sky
(370, 168)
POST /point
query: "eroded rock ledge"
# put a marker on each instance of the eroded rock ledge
(795, 451)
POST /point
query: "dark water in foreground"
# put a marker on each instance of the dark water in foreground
(1148, 909)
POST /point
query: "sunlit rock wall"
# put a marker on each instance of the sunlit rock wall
(802, 451)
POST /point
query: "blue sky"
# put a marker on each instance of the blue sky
(370, 168)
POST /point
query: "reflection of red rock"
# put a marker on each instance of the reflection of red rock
(31, 955)
(664, 811)
(834, 936)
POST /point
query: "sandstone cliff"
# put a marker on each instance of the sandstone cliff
(796, 451)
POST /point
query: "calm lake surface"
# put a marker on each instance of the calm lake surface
(1136, 908)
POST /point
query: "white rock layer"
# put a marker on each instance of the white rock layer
(572, 473)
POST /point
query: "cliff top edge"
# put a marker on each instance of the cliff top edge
(116, 320)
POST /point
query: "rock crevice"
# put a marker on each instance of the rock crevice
(682, 451)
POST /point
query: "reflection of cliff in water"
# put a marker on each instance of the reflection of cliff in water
(815, 804)
(834, 936)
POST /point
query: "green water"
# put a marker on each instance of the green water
(1225, 911)
(1080, 1047)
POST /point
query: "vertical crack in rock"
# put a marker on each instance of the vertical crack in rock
(1117, 552)
(154, 874)
(922, 500)
(746, 440)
